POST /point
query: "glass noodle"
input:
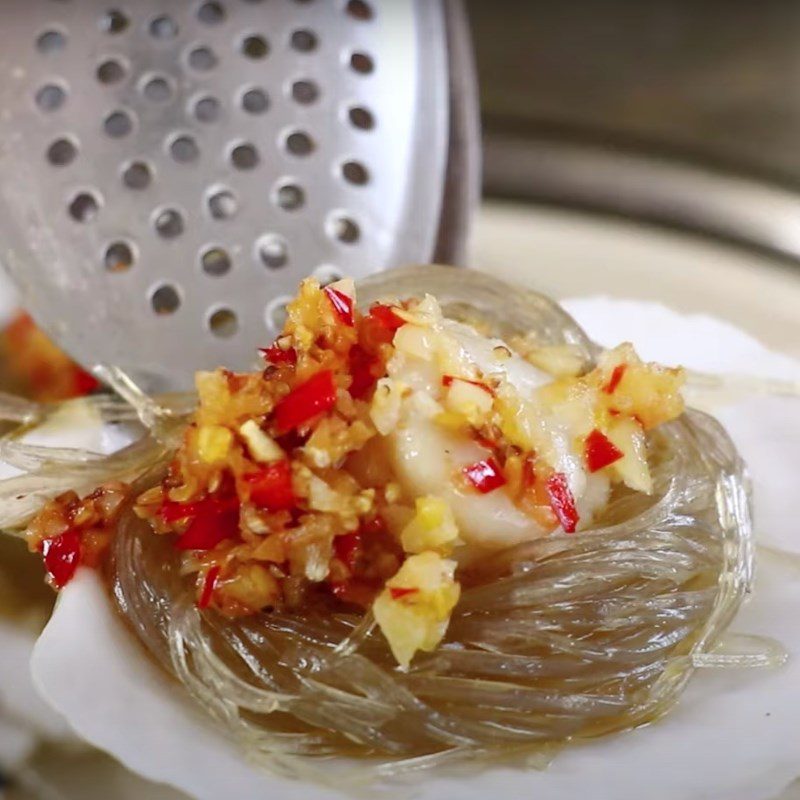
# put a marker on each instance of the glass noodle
(555, 640)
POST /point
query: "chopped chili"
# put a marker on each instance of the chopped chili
(616, 377)
(306, 401)
(379, 326)
(562, 502)
(210, 527)
(62, 555)
(373, 526)
(84, 383)
(277, 355)
(386, 316)
(217, 503)
(485, 476)
(209, 585)
(271, 486)
(600, 451)
(174, 512)
(362, 371)
(342, 305)
(398, 592)
(347, 547)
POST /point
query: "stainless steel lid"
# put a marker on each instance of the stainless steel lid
(170, 170)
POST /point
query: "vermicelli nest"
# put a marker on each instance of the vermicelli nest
(563, 638)
(569, 636)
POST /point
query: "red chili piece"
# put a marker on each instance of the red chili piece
(209, 584)
(485, 476)
(386, 317)
(342, 305)
(600, 451)
(361, 365)
(400, 591)
(562, 502)
(372, 526)
(271, 486)
(62, 555)
(212, 525)
(306, 401)
(173, 512)
(277, 355)
(616, 377)
(84, 383)
(378, 327)
(346, 548)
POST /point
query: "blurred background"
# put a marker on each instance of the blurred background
(644, 150)
(710, 82)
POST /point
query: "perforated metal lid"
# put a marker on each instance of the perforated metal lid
(170, 170)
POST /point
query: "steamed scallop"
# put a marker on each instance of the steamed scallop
(428, 458)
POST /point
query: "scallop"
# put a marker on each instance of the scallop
(428, 459)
